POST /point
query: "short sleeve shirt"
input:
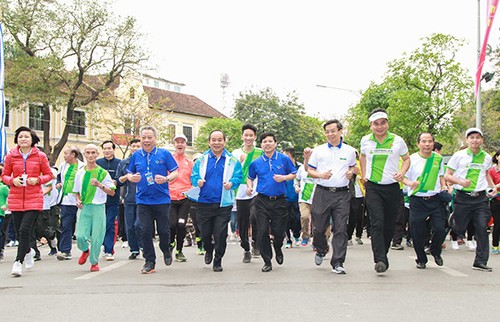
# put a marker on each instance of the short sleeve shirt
(245, 160)
(382, 159)
(265, 168)
(90, 194)
(158, 161)
(473, 167)
(337, 159)
(427, 172)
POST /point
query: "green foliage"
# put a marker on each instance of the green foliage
(425, 90)
(66, 54)
(491, 119)
(230, 127)
(284, 117)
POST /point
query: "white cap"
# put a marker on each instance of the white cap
(378, 115)
(180, 136)
(473, 130)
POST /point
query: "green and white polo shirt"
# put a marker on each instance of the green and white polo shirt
(382, 159)
(90, 194)
(427, 171)
(307, 185)
(473, 167)
(241, 193)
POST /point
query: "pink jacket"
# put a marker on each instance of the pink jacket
(36, 166)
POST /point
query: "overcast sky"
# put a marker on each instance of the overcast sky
(295, 45)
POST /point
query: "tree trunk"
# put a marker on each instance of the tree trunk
(47, 148)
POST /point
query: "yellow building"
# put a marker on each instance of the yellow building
(136, 100)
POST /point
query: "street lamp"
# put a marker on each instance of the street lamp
(341, 89)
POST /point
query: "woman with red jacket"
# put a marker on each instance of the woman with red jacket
(26, 169)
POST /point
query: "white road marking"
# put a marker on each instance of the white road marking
(447, 270)
(103, 270)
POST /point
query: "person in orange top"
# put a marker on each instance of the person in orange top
(179, 208)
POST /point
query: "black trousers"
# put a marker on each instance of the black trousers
(382, 204)
(334, 207)
(178, 215)
(400, 224)
(270, 214)
(356, 216)
(495, 212)
(23, 224)
(213, 220)
(476, 210)
(420, 211)
(246, 217)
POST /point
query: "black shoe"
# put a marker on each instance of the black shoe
(247, 257)
(267, 268)
(217, 268)
(208, 258)
(148, 268)
(37, 258)
(168, 259)
(380, 267)
(439, 260)
(279, 257)
(133, 255)
(420, 265)
(481, 267)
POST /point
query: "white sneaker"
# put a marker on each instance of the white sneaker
(53, 243)
(16, 243)
(10, 244)
(125, 244)
(297, 242)
(454, 245)
(109, 257)
(17, 269)
(29, 261)
(470, 245)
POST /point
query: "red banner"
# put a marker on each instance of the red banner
(490, 13)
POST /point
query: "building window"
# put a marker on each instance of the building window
(177, 89)
(188, 132)
(156, 84)
(7, 114)
(78, 126)
(171, 132)
(36, 117)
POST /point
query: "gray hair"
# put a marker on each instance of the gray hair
(149, 127)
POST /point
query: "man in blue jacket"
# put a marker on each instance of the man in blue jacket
(110, 163)
(132, 228)
(218, 174)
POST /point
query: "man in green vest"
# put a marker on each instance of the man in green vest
(468, 172)
(244, 203)
(379, 160)
(425, 180)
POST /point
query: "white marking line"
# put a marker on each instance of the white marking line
(447, 270)
(103, 270)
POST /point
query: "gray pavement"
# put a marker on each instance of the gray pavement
(298, 290)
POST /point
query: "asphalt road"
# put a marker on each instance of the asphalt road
(298, 290)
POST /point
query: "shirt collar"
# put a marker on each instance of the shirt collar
(154, 151)
(274, 156)
(338, 146)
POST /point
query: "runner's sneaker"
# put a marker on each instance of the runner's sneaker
(297, 242)
(109, 257)
(64, 256)
(17, 269)
(29, 259)
(200, 251)
(179, 257)
(83, 257)
(148, 268)
(304, 242)
(339, 269)
(94, 268)
(454, 245)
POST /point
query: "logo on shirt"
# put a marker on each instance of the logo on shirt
(477, 166)
(382, 151)
(160, 161)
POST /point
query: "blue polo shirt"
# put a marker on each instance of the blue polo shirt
(265, 168)
(158, 161)
(211, 192)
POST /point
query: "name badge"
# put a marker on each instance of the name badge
(149, 178)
